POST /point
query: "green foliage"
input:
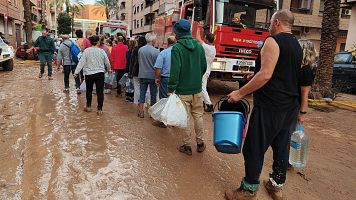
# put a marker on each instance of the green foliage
(64, 23)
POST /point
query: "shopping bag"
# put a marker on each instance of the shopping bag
(123, 80)
(174, 113)
(110, 79)
(83, 87)
(129, 87)
(156, 110)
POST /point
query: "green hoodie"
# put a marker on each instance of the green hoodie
(188, 65)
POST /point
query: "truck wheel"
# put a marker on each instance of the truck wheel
(10, 65)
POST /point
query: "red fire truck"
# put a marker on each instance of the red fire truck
(239, 26)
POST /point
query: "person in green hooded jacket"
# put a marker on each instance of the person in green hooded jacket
(188, 65)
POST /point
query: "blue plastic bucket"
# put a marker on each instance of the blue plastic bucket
(228, 131)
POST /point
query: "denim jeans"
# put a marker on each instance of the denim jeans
(46, 57)
(163, 87)
(144, 83)
(67, 69)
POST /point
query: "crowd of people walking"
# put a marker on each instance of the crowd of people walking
(284, 73)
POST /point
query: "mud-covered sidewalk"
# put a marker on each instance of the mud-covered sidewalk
(51, 149)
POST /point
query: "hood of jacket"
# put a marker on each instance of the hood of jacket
(188, 42)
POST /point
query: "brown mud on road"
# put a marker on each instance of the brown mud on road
(51, 149)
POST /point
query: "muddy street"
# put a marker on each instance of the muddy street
(51, 149)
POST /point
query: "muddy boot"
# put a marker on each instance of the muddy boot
(245, 192)
(240, 194)
(201, 147)
(159, 124)
(185, 149)
(274, 191)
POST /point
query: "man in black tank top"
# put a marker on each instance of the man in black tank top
(274, 116)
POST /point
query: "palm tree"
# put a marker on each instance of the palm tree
(28, 20)
(108, 4)
(329, 34)
(74, 9)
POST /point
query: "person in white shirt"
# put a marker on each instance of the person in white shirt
(210, 53)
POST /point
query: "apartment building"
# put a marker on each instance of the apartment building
(12, 21)
(351, 33)
(308, 18)
(145, 11)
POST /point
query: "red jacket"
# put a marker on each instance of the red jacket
(118, 56)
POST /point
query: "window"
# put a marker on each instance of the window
(141, 6)
(134, 10)
(321, 9)
(138, 9)
(342, 46)
(345, 13)
(141, 22)
(135, 24)
(138, 23)
(149, 18)
(301, 6)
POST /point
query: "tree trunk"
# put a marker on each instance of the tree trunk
(67, 6)
(329, 34)
(28, 21)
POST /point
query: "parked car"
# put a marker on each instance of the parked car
(344, 71)
(24, 52)
(6, 56)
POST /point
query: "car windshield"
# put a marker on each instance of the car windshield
(238, 14)
(343, 58)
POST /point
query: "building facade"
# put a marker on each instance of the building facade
(12, 21)
(145, 11)
(308, 18)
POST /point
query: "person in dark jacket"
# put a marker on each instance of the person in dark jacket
(134, 68)
(132, 45)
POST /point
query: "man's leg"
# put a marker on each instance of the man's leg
(280, 146)
(143, 89)
(197, 113)
(153, 92)
(42, 63)
(66, 69)
(163, 88)
(187, 100)
(49, 59)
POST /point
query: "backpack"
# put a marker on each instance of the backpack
(74, 51)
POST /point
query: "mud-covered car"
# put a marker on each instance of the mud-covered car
(6, 56)
(344, 71)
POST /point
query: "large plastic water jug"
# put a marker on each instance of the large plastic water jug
(228, 131)
(298, 148)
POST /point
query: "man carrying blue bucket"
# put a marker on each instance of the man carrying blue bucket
(275, 111)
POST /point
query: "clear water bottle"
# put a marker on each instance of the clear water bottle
(298, 148)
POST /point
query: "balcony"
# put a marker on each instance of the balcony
(147, 28)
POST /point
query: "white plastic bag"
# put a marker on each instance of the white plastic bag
(174, 113)
(110, 79)
(156, 110)
(83, 87)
